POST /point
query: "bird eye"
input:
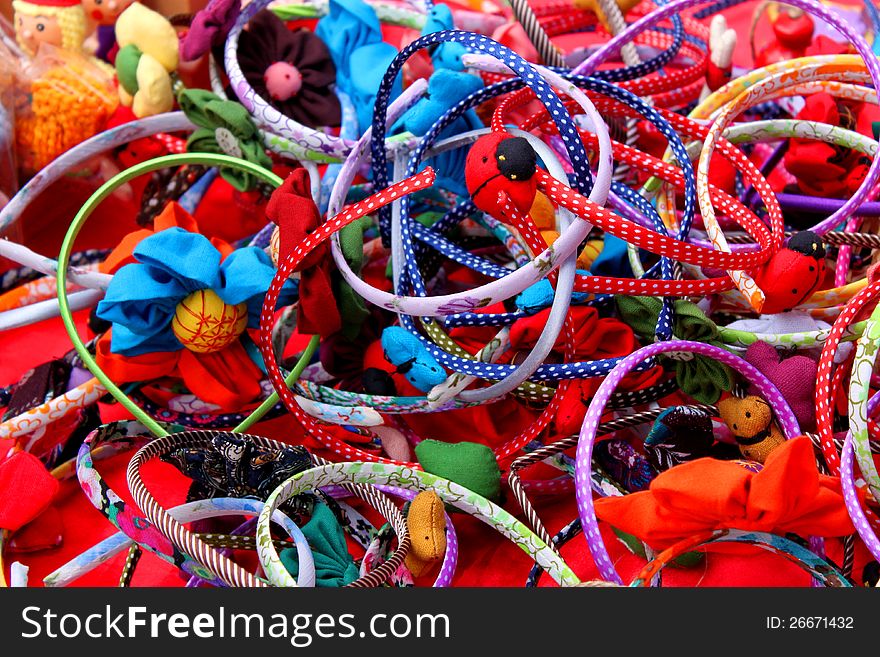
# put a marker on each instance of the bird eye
(794, 291)
(748, 414)
(485, 159)
(812, 268)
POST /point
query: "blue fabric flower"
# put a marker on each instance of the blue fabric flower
(172, 264)
(352, 32)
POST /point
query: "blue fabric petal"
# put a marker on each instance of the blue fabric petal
(127, 343)
(353, 35)
(188, 257)
(245, 277)
(368, 66)
(348, 25)
(141, 298)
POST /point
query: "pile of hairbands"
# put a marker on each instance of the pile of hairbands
(395, 293)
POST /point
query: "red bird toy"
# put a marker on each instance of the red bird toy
(793, 273)
(500, 163)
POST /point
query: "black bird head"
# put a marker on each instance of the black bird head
(516, 158)
(808, 243)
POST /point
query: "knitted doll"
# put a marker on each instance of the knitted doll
(61, 23)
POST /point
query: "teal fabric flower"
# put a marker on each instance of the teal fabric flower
(334, 566)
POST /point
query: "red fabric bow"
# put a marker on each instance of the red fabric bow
(292, 209)
(594, 337)
(787, 495)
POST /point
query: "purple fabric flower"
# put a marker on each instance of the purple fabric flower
(209, 28)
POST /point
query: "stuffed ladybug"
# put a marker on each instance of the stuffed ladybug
(793, 273)
(500, 163)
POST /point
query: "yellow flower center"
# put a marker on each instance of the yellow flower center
(203, 322)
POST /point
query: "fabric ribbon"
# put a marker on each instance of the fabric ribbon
(353, 35)
(209, 28)
(700, 377)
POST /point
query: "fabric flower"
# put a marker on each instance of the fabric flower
(701, 377)
(224, 127)
(353, 35)
(291, 69)
(292, 209)
(180, 308)
(787, 495)
(209, 28)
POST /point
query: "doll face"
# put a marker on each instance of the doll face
(34, 30)
(105, 12)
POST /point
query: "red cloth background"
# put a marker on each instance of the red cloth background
(486, 559)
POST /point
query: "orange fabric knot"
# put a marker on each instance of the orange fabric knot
(787, 495)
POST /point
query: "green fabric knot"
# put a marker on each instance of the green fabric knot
(701, 377)
(352, 307)
(224, 127)
(334, 566)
